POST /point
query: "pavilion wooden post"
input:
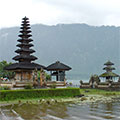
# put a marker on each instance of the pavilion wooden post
(64, 80)
(21, 76)
(35, 78)
(58, 75)
(42, 77)
(51, 74)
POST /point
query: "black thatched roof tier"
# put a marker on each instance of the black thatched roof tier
(24, 57)
(25, 18)
(25, 50)
(25, 21)
(25, 24)
(25, 35)
(109, 74)
(25, 27)
(24, 44)
(58, 66)
(26, 40)
(109, 63)
(108, 68)
(24, 66)
(28, 31)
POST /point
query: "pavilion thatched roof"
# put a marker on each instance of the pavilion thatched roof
(109, 74)
(109, 63)
(58, 66)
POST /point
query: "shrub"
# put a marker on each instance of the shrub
(4, 73)
(28, 86)
(70, 84)
(48, 77)
(53, 85)
(1, 88)
(5, 88)
(6, 95)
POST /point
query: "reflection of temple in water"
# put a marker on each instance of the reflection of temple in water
(41, 111)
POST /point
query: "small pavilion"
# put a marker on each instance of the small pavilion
(24, 67)
(109, 75)
(58, 69)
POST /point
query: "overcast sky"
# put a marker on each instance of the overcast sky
(92, 12)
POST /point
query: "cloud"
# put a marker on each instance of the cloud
(93, 12)
(12, 11)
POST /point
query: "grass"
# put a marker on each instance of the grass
(34, 100)
(98, 92)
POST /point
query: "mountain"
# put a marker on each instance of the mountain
(84, 48)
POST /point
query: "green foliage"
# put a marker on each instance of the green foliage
(38, 75)
(94, 78)
(48, 77)
(4, 88)
(110, 93)
(6, 95)
(28, 86)
(1, 88)
(5, 73)
(98, 92)
(53, 85)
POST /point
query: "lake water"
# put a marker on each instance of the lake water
(75, 83)
(62, 111)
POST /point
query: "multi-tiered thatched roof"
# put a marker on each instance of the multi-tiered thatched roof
(109, 68)
(24, 52)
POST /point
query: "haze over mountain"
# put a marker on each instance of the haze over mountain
(85, 48)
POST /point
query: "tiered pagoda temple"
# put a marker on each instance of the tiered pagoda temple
(24, 67)
(109, 84)
(109, 75)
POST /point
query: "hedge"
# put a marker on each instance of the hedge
(6, 95)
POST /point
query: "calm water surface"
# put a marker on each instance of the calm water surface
(62, 111)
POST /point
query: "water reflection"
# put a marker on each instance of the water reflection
(37, 112)
(105, 111)
(62, 111)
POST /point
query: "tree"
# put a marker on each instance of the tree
(5, 73)
(47, 76)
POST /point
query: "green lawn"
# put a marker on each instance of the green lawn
(98, 92)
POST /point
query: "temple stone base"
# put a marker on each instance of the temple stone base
(15, 84)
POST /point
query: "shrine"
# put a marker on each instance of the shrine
(24, 67)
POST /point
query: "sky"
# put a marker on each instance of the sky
(52, 12)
